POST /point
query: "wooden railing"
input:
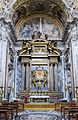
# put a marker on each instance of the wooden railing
(69, 110)
(7, 110)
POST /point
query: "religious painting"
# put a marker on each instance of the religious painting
(41, 25)
(39, 78)
(29, 28)
(49, 27)
(25, 30)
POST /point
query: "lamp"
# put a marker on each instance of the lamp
(9, 91)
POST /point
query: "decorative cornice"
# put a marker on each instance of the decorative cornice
(66, 36)
(12, 33)
(19, 2)
(26, 39)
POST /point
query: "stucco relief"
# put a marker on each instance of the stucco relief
(21, 12)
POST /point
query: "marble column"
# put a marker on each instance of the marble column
(51, 77)
(27, 76)
(48, 75)
(30, 76)
(55, 76)
(23, 71)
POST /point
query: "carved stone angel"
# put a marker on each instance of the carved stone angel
(53, 48)
(26, 47)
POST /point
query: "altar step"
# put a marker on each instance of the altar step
(39, 106)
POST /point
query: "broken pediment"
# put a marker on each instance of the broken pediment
(26, 47)
(39, 46)
(53, 49)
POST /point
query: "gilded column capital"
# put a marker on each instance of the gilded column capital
(54, 60)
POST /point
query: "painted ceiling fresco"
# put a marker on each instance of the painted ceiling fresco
(39, 24)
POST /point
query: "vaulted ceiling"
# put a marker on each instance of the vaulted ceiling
(53, 8)
(57, 10)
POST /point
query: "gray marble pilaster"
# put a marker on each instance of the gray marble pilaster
(51, 76)
(55, 76)
(27, 76)
(48, 75)
(30, 76)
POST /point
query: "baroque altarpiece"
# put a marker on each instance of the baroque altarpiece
(39, 48)
(39, 60)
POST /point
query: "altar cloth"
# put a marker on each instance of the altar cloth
(39, 96)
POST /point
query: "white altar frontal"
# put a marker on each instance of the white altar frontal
(39, 98)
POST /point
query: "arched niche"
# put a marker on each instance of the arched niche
(29, 26)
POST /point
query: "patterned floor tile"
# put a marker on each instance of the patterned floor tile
(39, 115)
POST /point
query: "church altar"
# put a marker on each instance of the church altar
(39, 98)
(39, 59)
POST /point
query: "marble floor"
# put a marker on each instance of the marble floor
(39, 115)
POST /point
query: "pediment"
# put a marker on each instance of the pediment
(39, 47)
(53, 49)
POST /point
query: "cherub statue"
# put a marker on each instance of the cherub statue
(26, 45)
(39, 85)
(53, 48)
(39, 34)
